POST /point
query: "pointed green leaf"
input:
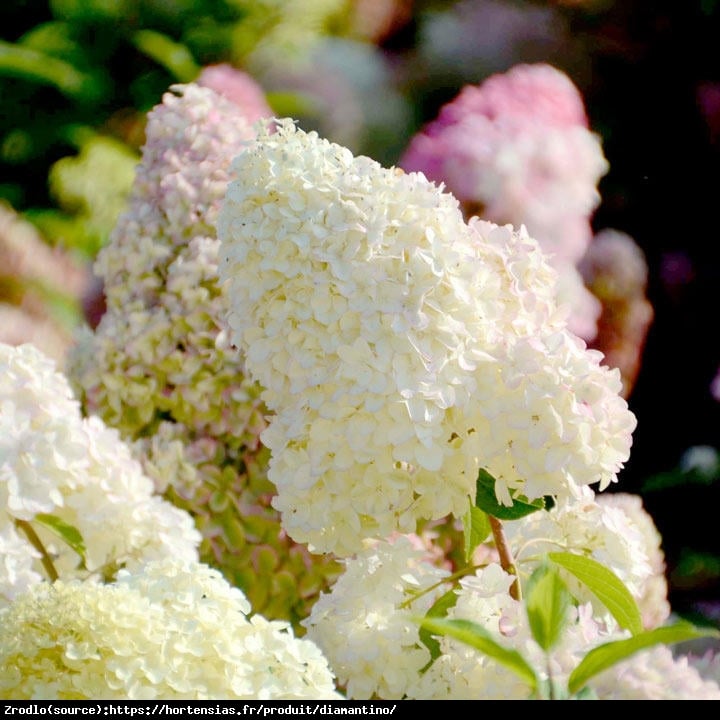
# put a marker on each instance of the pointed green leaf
(486, 500)
(547, 601)
(173, 56)
(476, 528)
(477, 637)
(67, 533)
(439, 609)
(605, 656)
(605, 585)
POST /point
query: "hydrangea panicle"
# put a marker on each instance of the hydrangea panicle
(615, 269)
(400, 348)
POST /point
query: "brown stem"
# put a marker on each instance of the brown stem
(37, 543)
(506, 557)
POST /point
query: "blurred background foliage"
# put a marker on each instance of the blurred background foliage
(77, 78)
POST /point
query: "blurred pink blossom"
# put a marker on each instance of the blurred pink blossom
(238, 87)
(715, 386)
(616, 271)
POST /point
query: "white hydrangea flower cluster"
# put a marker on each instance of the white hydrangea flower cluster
(159, 366)
(602, 529)
(54, 462)
(171, 630)
(401, 348)
(365, 625)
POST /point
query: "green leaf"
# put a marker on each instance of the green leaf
(67, 533)
(30, 64)
(173, 56)
(476, 528)
(477, 637)
(547, 602)
(605, 656)
(486, 500)
(439, 609)
(605, 585)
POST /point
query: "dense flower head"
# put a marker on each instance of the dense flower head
(401, 348)
(365, 624)
(517, 149)
(367, 628)
(159, 350)
(178, 185)
(225, 486)
(54, 462)
(461, 672)
(159, 365)
(170, 630)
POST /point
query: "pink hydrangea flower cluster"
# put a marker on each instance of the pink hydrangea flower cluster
(238, 87)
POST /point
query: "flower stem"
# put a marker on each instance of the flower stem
(506, 557)
(37, 543)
